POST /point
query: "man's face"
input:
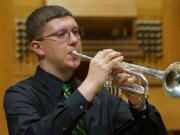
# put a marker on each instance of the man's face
(64, 37)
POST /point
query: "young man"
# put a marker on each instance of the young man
(53, 102)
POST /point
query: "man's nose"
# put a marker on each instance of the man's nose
(72, 39)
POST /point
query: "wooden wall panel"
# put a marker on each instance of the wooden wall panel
(149, 9)
(171, 20)
(23, 8)
(171, 31)
(100, 8)
(168, 107)
(9, 10)
(5, 55)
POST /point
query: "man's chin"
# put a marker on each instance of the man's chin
(74, 65)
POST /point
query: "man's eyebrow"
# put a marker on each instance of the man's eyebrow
(66, 29)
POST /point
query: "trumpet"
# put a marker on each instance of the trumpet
(170, 78)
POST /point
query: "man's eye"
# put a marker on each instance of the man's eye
(60, 35)
(75, 32)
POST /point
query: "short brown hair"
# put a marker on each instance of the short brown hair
(37, 19)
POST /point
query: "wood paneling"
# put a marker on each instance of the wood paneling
(168, 107)
(101, 8)
(171, 20)
(6, 52)
(149, 9)
(9, 10)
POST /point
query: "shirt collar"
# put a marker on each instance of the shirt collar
(51, 82)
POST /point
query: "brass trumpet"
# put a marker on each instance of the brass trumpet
(170, 78)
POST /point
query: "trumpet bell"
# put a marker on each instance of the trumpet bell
(171, 80)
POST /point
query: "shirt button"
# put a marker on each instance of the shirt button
(64, 128)
(81, 107)
(144, 116)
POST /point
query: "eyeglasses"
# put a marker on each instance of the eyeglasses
(64, 36)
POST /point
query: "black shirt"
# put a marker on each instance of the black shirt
(36, 106)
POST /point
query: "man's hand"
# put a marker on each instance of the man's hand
(122, 78)
(99, 68)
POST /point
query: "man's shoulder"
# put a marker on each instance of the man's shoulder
(22, 90)
(21, 86)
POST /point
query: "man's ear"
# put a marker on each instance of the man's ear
(37, 48)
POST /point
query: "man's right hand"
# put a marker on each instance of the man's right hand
(100, 67)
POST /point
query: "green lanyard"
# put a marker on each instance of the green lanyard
(67, 87)
(80, 128)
